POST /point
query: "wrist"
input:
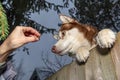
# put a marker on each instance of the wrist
(3, 58)
(4, 52)
(3, 49)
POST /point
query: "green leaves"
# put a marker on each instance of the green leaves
(3, 24)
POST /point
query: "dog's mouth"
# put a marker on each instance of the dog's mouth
(62, 52)
(59, 51)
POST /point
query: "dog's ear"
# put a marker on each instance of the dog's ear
(66, 19)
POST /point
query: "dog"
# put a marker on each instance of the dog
(78, 39)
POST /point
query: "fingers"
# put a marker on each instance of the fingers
(31, 35)
(26, 34)
(31, 31)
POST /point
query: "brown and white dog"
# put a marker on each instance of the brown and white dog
(79, 39)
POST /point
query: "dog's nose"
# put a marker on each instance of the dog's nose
(54, 49)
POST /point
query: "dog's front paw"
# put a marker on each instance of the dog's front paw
(82, 55)
(106, 38)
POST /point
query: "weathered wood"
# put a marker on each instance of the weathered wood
(103, 64)
(115, 53)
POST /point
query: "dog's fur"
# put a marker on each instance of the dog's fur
(79, 39)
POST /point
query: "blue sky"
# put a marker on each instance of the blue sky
(49, 19)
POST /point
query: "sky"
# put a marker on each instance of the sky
(43, 46)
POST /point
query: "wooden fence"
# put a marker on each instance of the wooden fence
(103, 64)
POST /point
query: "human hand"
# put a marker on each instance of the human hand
(20, 36)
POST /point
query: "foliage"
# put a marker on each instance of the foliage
(100, 13)
(3, 24)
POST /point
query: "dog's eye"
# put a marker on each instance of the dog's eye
(63, 34)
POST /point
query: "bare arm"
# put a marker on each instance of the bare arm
(20, 36)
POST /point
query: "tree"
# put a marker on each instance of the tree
(3, 24)
(18, 14)
(100, 13)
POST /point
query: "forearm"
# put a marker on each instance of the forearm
(4, 52)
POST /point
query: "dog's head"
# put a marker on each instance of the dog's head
(73, 35)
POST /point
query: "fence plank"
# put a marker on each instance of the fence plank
(115, 53)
